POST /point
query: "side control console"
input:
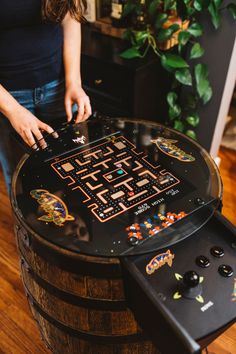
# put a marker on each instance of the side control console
(185, 296)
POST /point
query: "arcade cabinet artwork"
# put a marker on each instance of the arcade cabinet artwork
(142, 203)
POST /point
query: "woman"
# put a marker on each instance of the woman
(39, 70)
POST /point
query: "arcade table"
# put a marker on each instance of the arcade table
(122, 243)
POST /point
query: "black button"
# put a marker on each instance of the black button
(202, 261)
(133, 241)
(225, 270)
(217, 251)
(199, 201)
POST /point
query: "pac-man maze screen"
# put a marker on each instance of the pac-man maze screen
(113, 176)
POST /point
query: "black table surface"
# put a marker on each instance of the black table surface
(116, 187)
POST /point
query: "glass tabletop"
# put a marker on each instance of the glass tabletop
(116, 187)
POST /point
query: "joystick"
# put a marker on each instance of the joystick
(191, 279)
(190, 286)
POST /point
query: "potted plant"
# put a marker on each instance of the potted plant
(171, 28)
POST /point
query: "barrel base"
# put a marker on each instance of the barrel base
(60, 342)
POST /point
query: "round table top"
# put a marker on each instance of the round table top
(116, 187)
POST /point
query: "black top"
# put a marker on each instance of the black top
(116, 187)
(30, 50)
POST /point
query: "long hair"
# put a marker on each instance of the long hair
(56, 10)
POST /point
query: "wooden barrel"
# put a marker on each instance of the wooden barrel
(78, 301)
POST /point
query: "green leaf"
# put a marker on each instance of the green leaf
(168, 4)
(140, 37)
(153, 7)
(202, 83)
(217, 3)
(200, 5)
(201, 71)
(178, 125)
(172, 98)
(174, 112)
(164, 34)
(174, 108)
(193, 120)
(215, 15)
(207, 95)
(232, 9)
(184, 76)
(191, 134)
(195, 30)
(173, 61)
(174, 27)
(182, 9)
(183, 37)
(160, 19)
(165, 65)
(167, 33)
(190, 11)
(197, 51)
(131, 53)
(201, 77)
(128, 8)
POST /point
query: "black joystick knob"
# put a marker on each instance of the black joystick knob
(190, 287)
(191, 279)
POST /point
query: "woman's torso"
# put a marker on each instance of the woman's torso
(30, 50)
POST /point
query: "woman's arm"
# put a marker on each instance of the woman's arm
(23, 121)
(71, 55)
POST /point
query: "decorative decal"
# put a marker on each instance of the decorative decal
(153, 225)
(234, 291)
(178, 276)
(200, 299)
(167, 146)
(160, 260)
(55, 208)
(201, 279)
(177, 296)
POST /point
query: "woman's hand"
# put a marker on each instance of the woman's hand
(29, 127)
(75, 94)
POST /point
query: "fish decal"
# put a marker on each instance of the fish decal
(160, 260)
(55, 208)
(167, 146)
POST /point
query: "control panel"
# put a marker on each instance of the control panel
(189, 289)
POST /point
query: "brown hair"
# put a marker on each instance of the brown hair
(56, 10)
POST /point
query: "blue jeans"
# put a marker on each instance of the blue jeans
(47, 104)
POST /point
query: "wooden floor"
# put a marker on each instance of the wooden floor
(18, 332)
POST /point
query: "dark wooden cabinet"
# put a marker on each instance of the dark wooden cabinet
(117, 87)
